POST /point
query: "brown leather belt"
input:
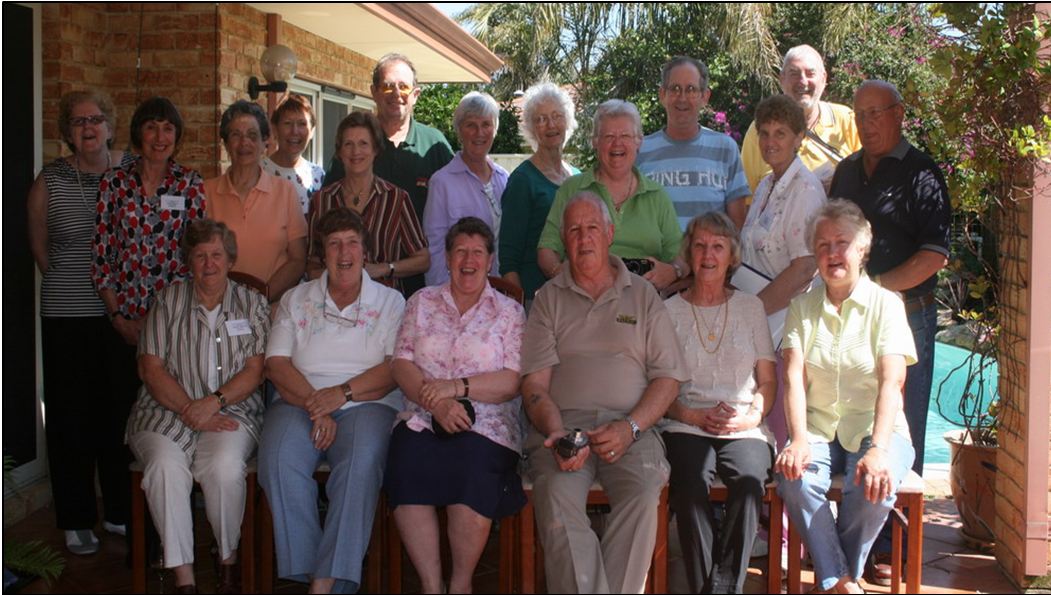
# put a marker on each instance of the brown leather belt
(915, 304)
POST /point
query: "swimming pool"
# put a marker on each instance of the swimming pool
(946, 358)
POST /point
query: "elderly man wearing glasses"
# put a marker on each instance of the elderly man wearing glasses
(412, 151)
(700, 168)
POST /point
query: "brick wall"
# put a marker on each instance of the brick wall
(199, 55)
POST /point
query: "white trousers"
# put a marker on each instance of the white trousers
(218, 464)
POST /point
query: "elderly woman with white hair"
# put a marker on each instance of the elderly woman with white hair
(847, 343)
(646, 230)
(547, 123)
(469, 186)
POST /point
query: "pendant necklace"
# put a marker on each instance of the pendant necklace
(712, 338)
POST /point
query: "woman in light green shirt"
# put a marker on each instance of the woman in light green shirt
(846, 346)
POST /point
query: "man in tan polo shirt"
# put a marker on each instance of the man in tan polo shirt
(599, 354)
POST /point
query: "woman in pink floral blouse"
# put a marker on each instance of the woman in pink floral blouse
(458, 442)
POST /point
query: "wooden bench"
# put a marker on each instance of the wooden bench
(907, 513)
(246, 552)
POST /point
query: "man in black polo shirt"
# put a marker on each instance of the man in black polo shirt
(412, 151)
(903, 194)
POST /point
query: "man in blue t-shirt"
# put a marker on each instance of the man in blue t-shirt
(700, 168)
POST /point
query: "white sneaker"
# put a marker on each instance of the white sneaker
(760, 547)
(82, 542)
(115, 529)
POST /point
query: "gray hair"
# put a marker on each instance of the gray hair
(677, 61)
(886, 86)
(802, 51)
(545, 93)
(615, 108)
(476, 103)
(592, 199)
(717, 223)
(203, 231)
(841, 210)
(239, 108)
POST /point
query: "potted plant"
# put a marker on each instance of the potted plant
(25, 562)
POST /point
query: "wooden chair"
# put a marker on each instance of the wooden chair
(373, 570)
(251, 281)
(521, 557)
(719, 493)
(507, 288)
(246, 552)
(907, 512)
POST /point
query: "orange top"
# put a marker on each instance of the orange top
(266, 222)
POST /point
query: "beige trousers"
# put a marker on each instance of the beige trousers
(218, 464)
(575, 559)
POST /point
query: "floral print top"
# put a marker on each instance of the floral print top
(136, 251)
(445, 345)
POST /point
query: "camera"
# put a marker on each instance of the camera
(440, 432)
(569, 445)
(639, 266)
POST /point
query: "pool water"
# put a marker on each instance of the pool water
(946, 358)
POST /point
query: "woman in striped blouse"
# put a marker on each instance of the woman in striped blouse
(199, 412)
(86, 404)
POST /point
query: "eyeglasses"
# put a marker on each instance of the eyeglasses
(543, 119)
(607, 139)
(252, 137)
(689, 90)
(402, 89)
(80, 121)
(337, 317)
(874, 114)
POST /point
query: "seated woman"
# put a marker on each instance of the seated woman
(262, 209)
(199, 410)
(328, 357)
(458, 443)
(846, 347)
(715, 428)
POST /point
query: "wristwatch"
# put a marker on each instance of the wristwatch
(222, 399)
(348, 392)
(678, 270)
(390, 265)
(636, 431)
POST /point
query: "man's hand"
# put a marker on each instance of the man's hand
(610, 441)
(572, 464)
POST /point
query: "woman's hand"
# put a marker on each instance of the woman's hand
(434, 391)
(219, 423)
(199, 411)
(323, 434)
(724, 419)
(127, 329)
(793, 460)
(661, 275)
(873, 470)
(452, 416)
(324, 401)
(573, 463)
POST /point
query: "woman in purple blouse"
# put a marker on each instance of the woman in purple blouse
(457, 444)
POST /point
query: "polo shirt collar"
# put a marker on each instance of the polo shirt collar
(793, 169)
(898, 152)
(860, 298)
(369, 288)
(458, 166)
(488, 295)
(645, 184)
(412, 137)
(621, 281)
(265, 183)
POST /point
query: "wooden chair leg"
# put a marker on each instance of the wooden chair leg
(507, 554)
(527, 545)
(248, 540)
(659, 566)
(795, 560)
(914, 565)
(376, 549)
(266, 546)
(895, 550)
(773, 556)
(393, 555)
(138, 534)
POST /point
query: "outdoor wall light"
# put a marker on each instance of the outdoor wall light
(278, 64)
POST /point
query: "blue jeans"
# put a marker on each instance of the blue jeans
(924, 325)
(287, 459)
(840, 546)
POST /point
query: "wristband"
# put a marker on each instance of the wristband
(466, 387)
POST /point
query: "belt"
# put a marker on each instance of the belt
(915, 304)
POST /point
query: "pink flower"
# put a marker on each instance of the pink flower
(921, 59)
(720, 117)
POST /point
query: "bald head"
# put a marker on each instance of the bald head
(803, 76)
(878, 111)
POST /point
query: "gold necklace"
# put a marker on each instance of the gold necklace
(711, 331)
(358, 195)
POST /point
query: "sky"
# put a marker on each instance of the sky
(451, 8)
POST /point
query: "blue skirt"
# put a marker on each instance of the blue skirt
(464, 468)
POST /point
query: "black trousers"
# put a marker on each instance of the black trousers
(717, 557)
(90, 383)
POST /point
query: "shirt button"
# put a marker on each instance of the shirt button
(218, 340)
(218, 367)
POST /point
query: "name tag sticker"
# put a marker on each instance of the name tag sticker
(421, 182)
(239, 327)
(626, 319)
(173, 202)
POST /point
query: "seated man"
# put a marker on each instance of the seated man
(599, 353)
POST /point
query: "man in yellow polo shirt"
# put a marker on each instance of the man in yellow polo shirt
(831, 133)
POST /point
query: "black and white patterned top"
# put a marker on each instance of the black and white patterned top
(67, 290)
(306, 176)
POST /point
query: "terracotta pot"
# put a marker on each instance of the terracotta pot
(972, 476)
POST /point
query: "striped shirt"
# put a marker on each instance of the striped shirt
(67, 290)
(394, 231)
(177, 331)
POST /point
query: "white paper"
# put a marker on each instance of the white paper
(750, 280)
(173, 202)
(238, 327)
